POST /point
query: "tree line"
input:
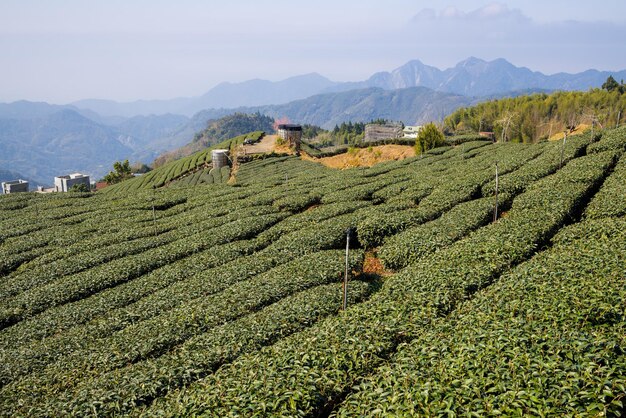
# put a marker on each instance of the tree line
(539, 116)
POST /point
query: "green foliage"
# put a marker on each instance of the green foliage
(429, 137)
(535, 343)
(121, 171)
(234, 125)
(79, 188)
(611, 200)
(311, 131)
(187, 166)
(611, 85)
(220, 131)
(539, 116)
(223, 301)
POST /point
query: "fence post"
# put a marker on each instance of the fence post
(563, 148)
(495, 209)
(154, 211)
(344, 305)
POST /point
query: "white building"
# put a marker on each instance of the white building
(65, 183)
(14, 186)
(411, 131)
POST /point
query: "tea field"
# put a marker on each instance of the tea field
(207, 298)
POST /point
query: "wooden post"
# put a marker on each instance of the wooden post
(154, 212)
(563, 149)
(495, 209)
(344, 305)
(619, 116)
(593, 124)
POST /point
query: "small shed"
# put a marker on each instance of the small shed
(292, 134)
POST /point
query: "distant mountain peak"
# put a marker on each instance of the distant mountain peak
(471, 61)
(472, 76)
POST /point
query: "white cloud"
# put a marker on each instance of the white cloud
(491, 11)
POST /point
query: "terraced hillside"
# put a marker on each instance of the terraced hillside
(223, 300)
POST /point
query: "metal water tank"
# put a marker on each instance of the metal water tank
(219, 157)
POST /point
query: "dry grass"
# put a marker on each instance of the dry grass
(365, 157)
(578, 131)
(373, 266)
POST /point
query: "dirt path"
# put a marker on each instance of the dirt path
(265, 145)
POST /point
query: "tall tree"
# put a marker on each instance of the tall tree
(121, 171)
(610, 84)
(506, 123)
(430, 136)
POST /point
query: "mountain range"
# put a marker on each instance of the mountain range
(479, 78)
(41, 140)
(471, 77)
(414, 105)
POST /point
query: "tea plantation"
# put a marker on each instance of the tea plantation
(203, 298)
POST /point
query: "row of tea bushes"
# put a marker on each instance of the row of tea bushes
(155, 336)
(547, 340)
(123, 389)
(611, 200)
(306, 374)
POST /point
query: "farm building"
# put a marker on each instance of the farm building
(65, 183)
(411, 131)
(375, 132)
(14, 186)
(291, 134)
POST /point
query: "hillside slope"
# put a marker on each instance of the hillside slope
(58, 144)
(221, 300)
(539, 116)
(412, 106)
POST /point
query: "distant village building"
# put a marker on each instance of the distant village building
(65, 183)
(411, 131)
(375, 132)
(291, 134)
(14, 186)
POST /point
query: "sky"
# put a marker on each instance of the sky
(60, 51)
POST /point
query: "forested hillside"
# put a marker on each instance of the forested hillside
(539, 116)
(225, 300)
(220, 130)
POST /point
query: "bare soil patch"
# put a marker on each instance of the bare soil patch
(265, 145)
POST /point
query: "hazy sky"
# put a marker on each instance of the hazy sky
(64, 50)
